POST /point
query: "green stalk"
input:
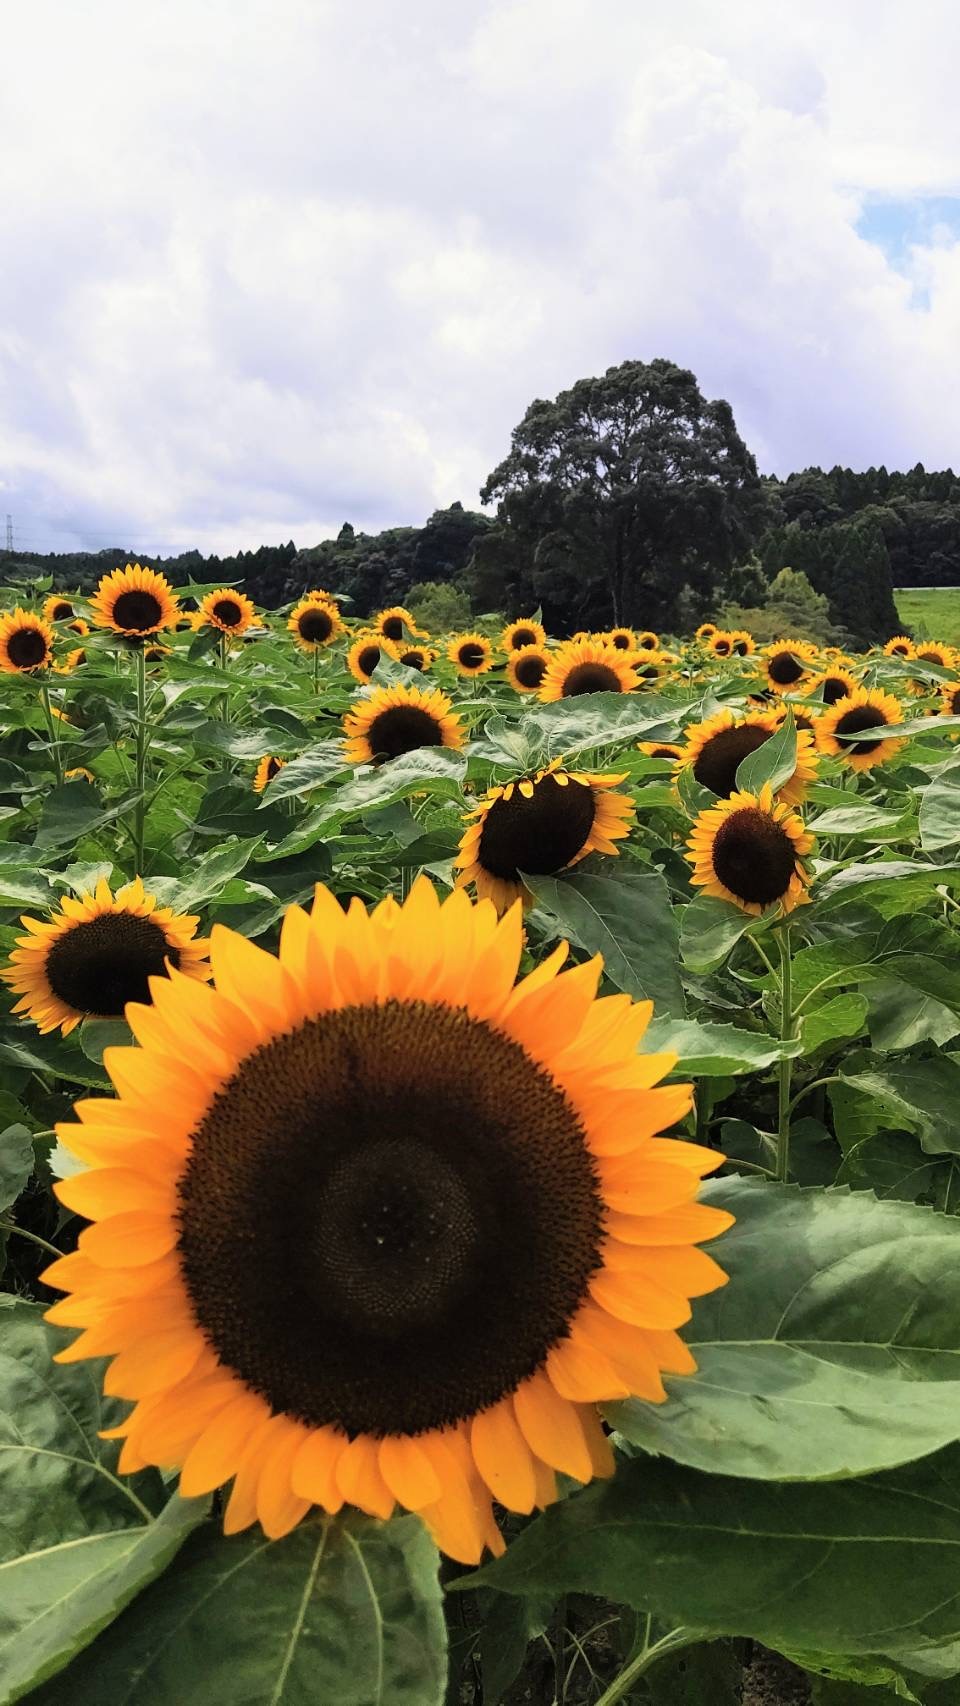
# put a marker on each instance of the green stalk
(647, 1656)
(316, 670)
(787, 1024)
(52, 735)
(224, 658)
(140, 809)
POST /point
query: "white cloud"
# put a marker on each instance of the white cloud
(272, 264)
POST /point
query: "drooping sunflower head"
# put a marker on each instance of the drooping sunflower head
(227, 610)
(715, 749)
(720, 644)
(742, 643)
(648, 641)
(862, 711)
(517, 636)
(787, 664)
(314, 624)
(950, 699)
(80, 773)
(624, 639)
(706, 630)
(26, 642)
(749, 849)
(156, 654)
(135, 602)
(660, 749)
(366, 652)
(396, 623)
(79, 626)
(537, 826)
(832, 685)
(393, 720)
(471, 654)
(96, 953)
(929, 651)
(416, 657)
(587, 666)
(57, 608)
(527, 668)
(900, 647)
(71, 661)
(460, 1284)
(266, 770)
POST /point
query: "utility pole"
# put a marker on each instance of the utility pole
(9, 532)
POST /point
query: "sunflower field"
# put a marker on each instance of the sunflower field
(478, 1160)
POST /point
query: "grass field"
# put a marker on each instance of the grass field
(932, 613)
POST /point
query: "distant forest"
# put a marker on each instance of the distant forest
(629, 497)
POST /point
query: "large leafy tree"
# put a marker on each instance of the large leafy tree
(622, 490)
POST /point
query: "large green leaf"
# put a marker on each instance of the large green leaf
(892, 1165)
(629, 920)
(864, 1566)
(429, 770)
(772, 763)
(343, 1612)
(833, 1350)
(714, 1051)
(591, 720)
(16, 1162)
(940, 812)
(891, 885)
(710, 928)
(922, 1096)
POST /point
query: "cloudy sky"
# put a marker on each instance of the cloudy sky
(270, 265)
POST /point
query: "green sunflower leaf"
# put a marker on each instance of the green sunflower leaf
(772, 763)
(343, 1612)
(832, 1352)
(714, 1051)
(16, 1162)
(629, 920)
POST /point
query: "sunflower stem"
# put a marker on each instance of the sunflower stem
(788, 1021)
(647, 1657)
(225, 702)
(316, 670)
(52, 735)
(140, 809)
(33, 1237)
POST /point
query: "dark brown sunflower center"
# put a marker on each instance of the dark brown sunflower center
(530, 671)
(621, 641)
(862, 717)
(722, 649)
(591, 678)
(834, 688)
(931, 655)
(228, 611)
(955, 702)
(663, 752)
(368, 659)
(137, 611)
(523, 637)
(392, 627)
(315, 625)
(388, 1217)
(802, 721)
(273, 766)
(900, 650)
(26, 647)
(414, 658)
(100, 965)
(648, 672)
(784, 669)
(471, 655)
(754, 857)
(647, 642)
(540, 835)
(401, 728)
(716, 764)
(61, 611)
(740, 648)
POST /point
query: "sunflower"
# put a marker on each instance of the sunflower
(900, 647)
(720, 644)
(26, 643)
(706, 631)
(715, 749)
(648, 641)
(864, 708)
(742, 643)
(98, 952)
(156, 654)
(319, 595)
(231, 612)
(526, 669)
(659, 749)
(624, 639)
(787, 664)
(517, 636)
(72, 661)
(416, 657)
(538, 826)
(749, 849)
(950, 699)
(832, 685)
(266, 770)
(80, 772)
(56, 608)
(395, 720)
(587, 666)
(79, 626)
(365, 654)
(313, 624)
(460, 1286)
(650, 667)
(393, 623)
(135, 601)
(944, 657)
(471, 653)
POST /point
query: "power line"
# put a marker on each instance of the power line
(9, 532)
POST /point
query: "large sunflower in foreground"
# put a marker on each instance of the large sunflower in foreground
(326, 1306)
(543, 824)
(314, 624)
(26, 643)
(517, 636)
(471, 654)
(716, 748)
(862, 710)
(134, 601)
(228, 611)
(527, 668)
(96, 953)
(366, 652)
(749, 849)
(587, 666)
(56, 608)
(395, 720)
